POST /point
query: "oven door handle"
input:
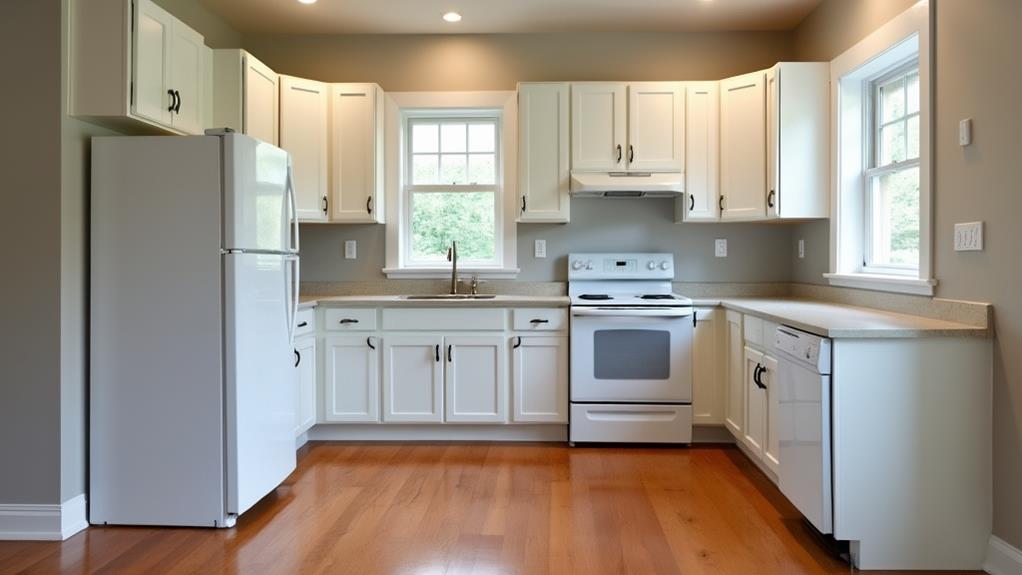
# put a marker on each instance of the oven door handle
(669, 313)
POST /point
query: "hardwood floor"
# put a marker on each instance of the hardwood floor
(476, 508)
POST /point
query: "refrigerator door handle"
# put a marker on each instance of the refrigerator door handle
(292, 306)
(293, 207)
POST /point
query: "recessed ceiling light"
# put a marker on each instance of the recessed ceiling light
(307, 1)
(452, 17)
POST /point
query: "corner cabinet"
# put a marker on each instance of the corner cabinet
(356, 153)
(134, 65)
(304, 133)
(543, 152)
(743, 147)
(246, 96)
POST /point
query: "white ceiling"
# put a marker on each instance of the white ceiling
(509, 16)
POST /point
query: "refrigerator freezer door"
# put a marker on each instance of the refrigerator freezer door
(260, 378)
(258, 207)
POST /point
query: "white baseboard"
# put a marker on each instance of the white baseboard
(1002, 558)
(43, 522)
(437, 432)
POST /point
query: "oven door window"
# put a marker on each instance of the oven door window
(632, 354)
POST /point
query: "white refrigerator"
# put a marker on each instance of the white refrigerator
(194, 293)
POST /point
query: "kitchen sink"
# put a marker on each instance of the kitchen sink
(449, 296)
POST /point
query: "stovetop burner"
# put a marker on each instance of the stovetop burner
(595, 296)
(657, 296)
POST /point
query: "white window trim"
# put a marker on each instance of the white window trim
(894, 43)
(399, 105)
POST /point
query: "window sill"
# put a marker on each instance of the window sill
(441, 273)
(888, 283)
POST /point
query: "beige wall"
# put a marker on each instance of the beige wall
(977, 76)
(218, 33)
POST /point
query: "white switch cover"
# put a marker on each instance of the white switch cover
(350, 247)
(801, 249)
(720, 248)
(969, 237)
(540, 248)
(965, 132)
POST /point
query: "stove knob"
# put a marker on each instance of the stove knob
(589, 265)
(665, 266)
(651, 265)
(576, 265)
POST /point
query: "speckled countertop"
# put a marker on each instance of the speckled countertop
(400, 301)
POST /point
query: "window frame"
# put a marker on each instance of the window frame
(409, 189)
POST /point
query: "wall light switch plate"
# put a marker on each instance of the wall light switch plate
(720, 248)
(965, 132)
(969, 237)
(540, 248)
(801, 249)
(350, 249)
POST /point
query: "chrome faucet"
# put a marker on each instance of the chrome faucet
(452, 256)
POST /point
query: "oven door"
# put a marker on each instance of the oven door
(631, 355)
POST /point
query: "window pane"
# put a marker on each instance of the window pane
(425, 169)
(892, 100)
(892, 144)
(452, 138)
(425, 138)
(453, 170)
(482, 169)
(913, 93)
(482, 138)
(895, 219)
(438, 218)
(913, 137)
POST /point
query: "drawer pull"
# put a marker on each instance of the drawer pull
(538, 321)
(304, 324)
(346, 321)
(369, 342)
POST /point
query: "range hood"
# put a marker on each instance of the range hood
(627, 184)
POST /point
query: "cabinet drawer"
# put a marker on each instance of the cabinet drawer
(352, 319)
(457, 319)
(540, 319)
(305, 323)
(753, 327)
(631, 423)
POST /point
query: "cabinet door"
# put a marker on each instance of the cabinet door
(303, 133)
(772, 143)
(754, 434)
(154, 32)
(597, 127)
(708, 390)
(743, 147)
(656, 127)
(261, 95)
(356, 155)
(305, 391)
(476, 379)
(413, 385)
(772, 443)
(352, 382)
(702, 151)
(734, 414)
(540, 372)
(187, 78)
(543, 170)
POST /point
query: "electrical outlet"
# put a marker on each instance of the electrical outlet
(969, 237)
(801, 248)
(350, 249)
(540, 249)
(720, 248)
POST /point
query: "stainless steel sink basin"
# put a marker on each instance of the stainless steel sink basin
(449, 296)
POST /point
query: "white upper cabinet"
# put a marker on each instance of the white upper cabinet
(656, 127)
(543, 168)
(743, 147)
(798, 140)
(304, 131)
(356, 153)
(702, 152)
(134, 65)
(476, 379)
(598, 118)
(247, 95)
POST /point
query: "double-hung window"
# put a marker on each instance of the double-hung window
(452, 189)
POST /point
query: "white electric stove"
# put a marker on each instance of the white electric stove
(631, 350)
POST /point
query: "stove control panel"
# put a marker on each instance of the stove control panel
(654, 266)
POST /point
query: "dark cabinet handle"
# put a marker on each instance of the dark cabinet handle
(303, 324)
(173, 100)
(757, 376)
(369, 342)
(720, 204)
(298, 357)
(326, 204)
(449, 349)
(438, 353)
(177, 107)
(518, 343)
(346, 321)
(631, 153)
(538, 321)
(523, 204)
(369, 204)
(770, 198)
(619, 153)
(691, 202)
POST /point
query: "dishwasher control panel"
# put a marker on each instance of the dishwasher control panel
(804, 347)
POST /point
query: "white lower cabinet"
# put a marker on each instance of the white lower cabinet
(305, 391)
(734, 357)
(754, 434)
(708, 390)
(540, 376)
(475, 379)
(413, 381)
(772, 444)
(352, 390)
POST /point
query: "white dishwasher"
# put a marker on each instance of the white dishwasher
(804, 424)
